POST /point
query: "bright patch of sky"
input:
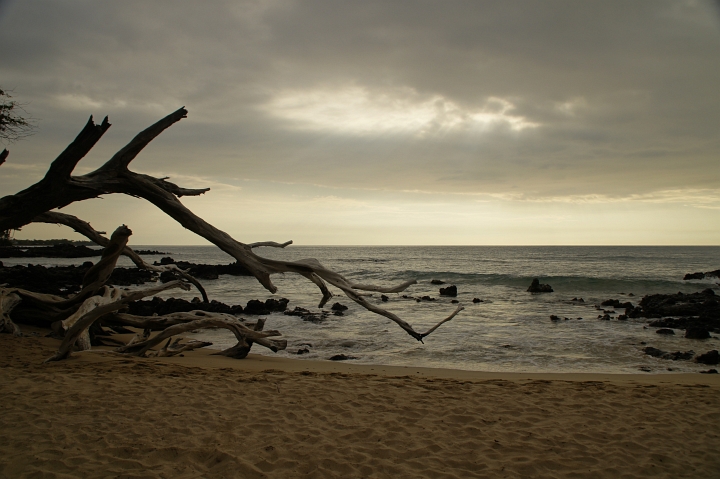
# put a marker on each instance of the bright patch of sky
(356, 110)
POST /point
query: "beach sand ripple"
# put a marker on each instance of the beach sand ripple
(141, 418)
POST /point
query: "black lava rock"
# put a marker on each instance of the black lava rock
(697, 333)
(308, 315)
(255, 306)
(615, 303)
(675, 356)
(341, 357)
(65, 280)
(711, 358)
(696, 304)
(536, 287)
(708, 274)
(449, 291)
(665, 331)
(436, 281)
(278, 305)
(339, 307)
(162, 307)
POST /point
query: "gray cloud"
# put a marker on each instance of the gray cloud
(625, 93)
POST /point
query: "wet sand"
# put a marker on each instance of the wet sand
(203, 416)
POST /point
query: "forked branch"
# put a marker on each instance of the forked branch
(59, 189)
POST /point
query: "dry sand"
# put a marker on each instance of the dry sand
(97, 415)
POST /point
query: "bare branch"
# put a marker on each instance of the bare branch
(177, 348)
(270, 243)
(211, 320)
(63, 166)
(114, 177)
(122, 158)
(89, 232)
(111, 300)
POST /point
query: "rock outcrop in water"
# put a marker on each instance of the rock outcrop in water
(204, 271)
(709, 274)
(696, 313)
(675, 356)
(308, 315)
(162, 306)
(711, 357)
(449, 291)
(536, 287)
(270, 305)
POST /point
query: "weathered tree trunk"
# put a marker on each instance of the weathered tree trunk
(8, 300)
(110, 301)
(97, 237)
(243, 334)
(58, 188)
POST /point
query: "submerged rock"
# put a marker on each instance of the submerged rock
(308, 315)
(436, 281)
(665, 331)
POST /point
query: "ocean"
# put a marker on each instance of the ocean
(509, 331)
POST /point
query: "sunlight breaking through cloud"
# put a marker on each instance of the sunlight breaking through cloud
(357, 111)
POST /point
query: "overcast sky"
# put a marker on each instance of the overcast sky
(388, 122)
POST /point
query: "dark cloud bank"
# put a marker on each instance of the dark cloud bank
(518, 99)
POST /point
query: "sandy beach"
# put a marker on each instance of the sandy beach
(202, 416)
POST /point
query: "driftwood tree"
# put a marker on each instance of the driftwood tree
(59, 188)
